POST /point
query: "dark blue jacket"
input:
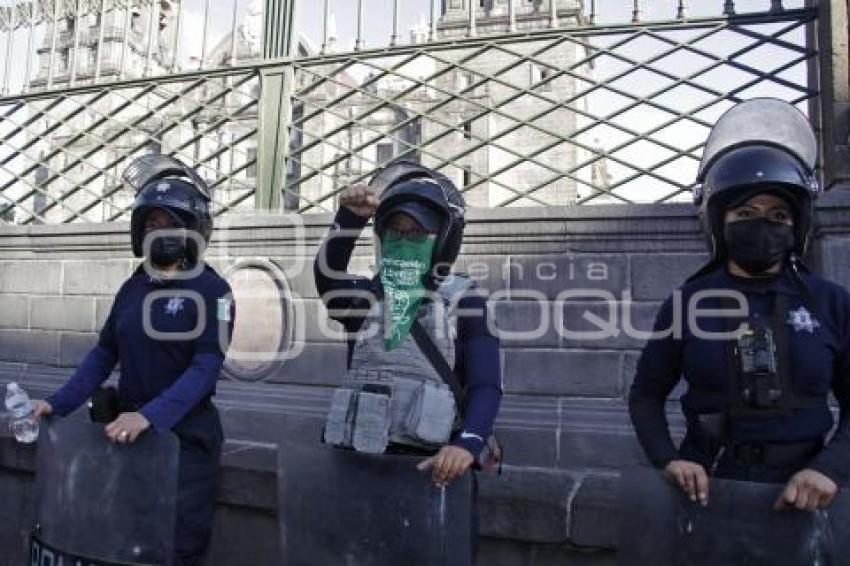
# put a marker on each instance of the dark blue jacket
(819, 341)
(477, 350)
(165, 377)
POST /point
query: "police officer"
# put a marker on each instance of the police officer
(169, 369)
(758, 377)
(419, 342)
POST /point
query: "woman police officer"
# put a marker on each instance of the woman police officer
(170, 356)
(756, 404)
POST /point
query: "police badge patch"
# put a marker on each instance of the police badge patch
(174, 305)
(801, 319)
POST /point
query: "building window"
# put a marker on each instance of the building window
(463, 79)
(539, 74)
(385, 153)
(467, 129)
(251, 157)
(467, 176)
(545, 79)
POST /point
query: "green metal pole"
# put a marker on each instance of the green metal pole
(275, 104)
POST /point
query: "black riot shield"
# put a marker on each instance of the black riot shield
(660, 526)
(341, 507)
(102, 503)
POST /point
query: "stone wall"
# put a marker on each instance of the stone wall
(563, 419)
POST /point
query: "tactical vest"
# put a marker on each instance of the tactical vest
(397, 395)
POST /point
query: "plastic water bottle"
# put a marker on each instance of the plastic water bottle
(21, 421)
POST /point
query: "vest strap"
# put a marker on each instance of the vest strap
(432, 353)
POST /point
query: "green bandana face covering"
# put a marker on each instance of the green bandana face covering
(405, 261)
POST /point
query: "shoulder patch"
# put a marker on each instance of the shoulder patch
(224, 307)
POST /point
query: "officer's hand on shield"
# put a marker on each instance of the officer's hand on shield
(450, 463)
(360, 200)
(41, 408)
(690, 477)
(127, 428)
(807, 490)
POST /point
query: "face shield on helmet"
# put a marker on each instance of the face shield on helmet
(163, 182)
(758, 146)
(409, 188)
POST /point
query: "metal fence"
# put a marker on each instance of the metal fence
(521, 103)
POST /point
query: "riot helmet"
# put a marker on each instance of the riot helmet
(164, 182)
(763, 145)
(427, 196)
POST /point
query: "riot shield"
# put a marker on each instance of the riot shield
(660, 526)
(102, 503)
(343, 507)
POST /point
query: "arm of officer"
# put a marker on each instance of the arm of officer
(478, 362)
(834, 459)
(340, 291)
(482, 371)
(198, 380)
(92, 371)
(658, 371)
(815, 486)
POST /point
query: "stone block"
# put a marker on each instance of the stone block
(563, 372)
(597, 325)
(529, 446)
(834, 259)
(553, 274)
(94, 277)
(14, 311)
(488, 272)
(317, 364)
(74, 346)
(30, 277)
(315, 324)
(36, 347)
(63, 313)
(582, 447)
(655, 276)
(525, 324)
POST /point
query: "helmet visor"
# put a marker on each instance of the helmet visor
(147, 168)
(763, 121)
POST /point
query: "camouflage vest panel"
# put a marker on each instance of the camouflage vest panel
(404, 368)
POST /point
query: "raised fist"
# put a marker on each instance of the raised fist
(359, 200)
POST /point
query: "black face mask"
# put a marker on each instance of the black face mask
(758, 244)
(167, 250)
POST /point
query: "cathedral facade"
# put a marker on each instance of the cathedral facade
(476, 114)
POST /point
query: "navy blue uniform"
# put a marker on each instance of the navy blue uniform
(819, 362)
(170, 381)
(477, 350)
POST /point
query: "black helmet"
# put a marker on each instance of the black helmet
(406, 186)
(759, 146)
(164, 182)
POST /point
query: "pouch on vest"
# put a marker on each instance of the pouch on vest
(431, 415)
(372, 420)
(339, 426)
